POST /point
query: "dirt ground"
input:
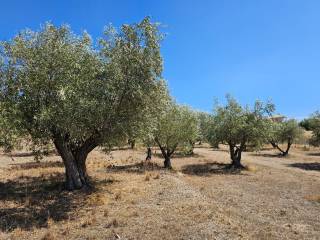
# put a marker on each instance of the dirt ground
(275, 198)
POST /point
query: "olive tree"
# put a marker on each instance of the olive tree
(177, 126)
(306, 124)
(314, 126)
(63, 88)
(285, 133)
(237, 126)
(204, 126)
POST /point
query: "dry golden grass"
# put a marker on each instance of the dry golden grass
(134, 199)
(251, 168)
(49, 236)
(313, 198)
(97, 199)
(147, 177)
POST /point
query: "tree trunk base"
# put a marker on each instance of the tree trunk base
(167, 164)
(71, 186)
(77, 179)
(236, 166)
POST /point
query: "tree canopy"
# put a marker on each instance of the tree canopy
(61, 87)
(177, 126)
(285, 132)
(314, 126)
(237, 126)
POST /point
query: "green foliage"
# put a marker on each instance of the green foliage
(177, 126)
(53, 81)
(306, 124)
(143, 131)
(314, 126)
(286, 132)
(204, 120)
(238, 126)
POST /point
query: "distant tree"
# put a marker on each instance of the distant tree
(204, 126)
(145, 130)
(237, 126)
(285, 133)
(177, 126)
(306, 124)
(56, 86)
(314, 126)
(212, 137)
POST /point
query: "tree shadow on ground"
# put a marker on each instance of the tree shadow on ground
(30, 154)
(315, 166)
(218, 150)
(28, 202)
(209, 169)
(35, 165)
(317, 154)
(268, 155)
(140, 167)
(179, 155)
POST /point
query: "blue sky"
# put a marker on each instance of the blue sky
(252, 49)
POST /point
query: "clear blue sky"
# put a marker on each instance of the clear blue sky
(253, 49)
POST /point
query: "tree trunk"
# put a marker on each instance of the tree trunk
(283, 153)
(167, 162)
(74, 162)
(235, 155)
(166, 153)
(132, 143)
(75, 178)
(236, 161)
(191, 152)
(76, 175)
(286, 152)
(148, 158)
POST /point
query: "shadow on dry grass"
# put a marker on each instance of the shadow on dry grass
(140, 167)
(209, 168)
(30, 154)
(314, 154)
(179, 155)
(35, 165)
(268, 155)
(315, 166)
(29, 202)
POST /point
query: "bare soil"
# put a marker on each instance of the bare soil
(275, 198)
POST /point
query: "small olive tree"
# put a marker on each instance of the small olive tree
(285, 133)
(60, 87)
(237, 126)
(178, 125)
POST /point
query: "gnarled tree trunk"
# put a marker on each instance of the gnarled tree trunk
(166, 153)
(235, 154)
(284, 153)
(74, 161)
(167, 157)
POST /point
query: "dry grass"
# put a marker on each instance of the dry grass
(147, 177)
(251, 168)
(313, 198)
(48, 236)
(134, 199)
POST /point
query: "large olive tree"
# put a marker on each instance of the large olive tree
(237, 126)
(63, 88)
(285, 133)
(178, 125)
